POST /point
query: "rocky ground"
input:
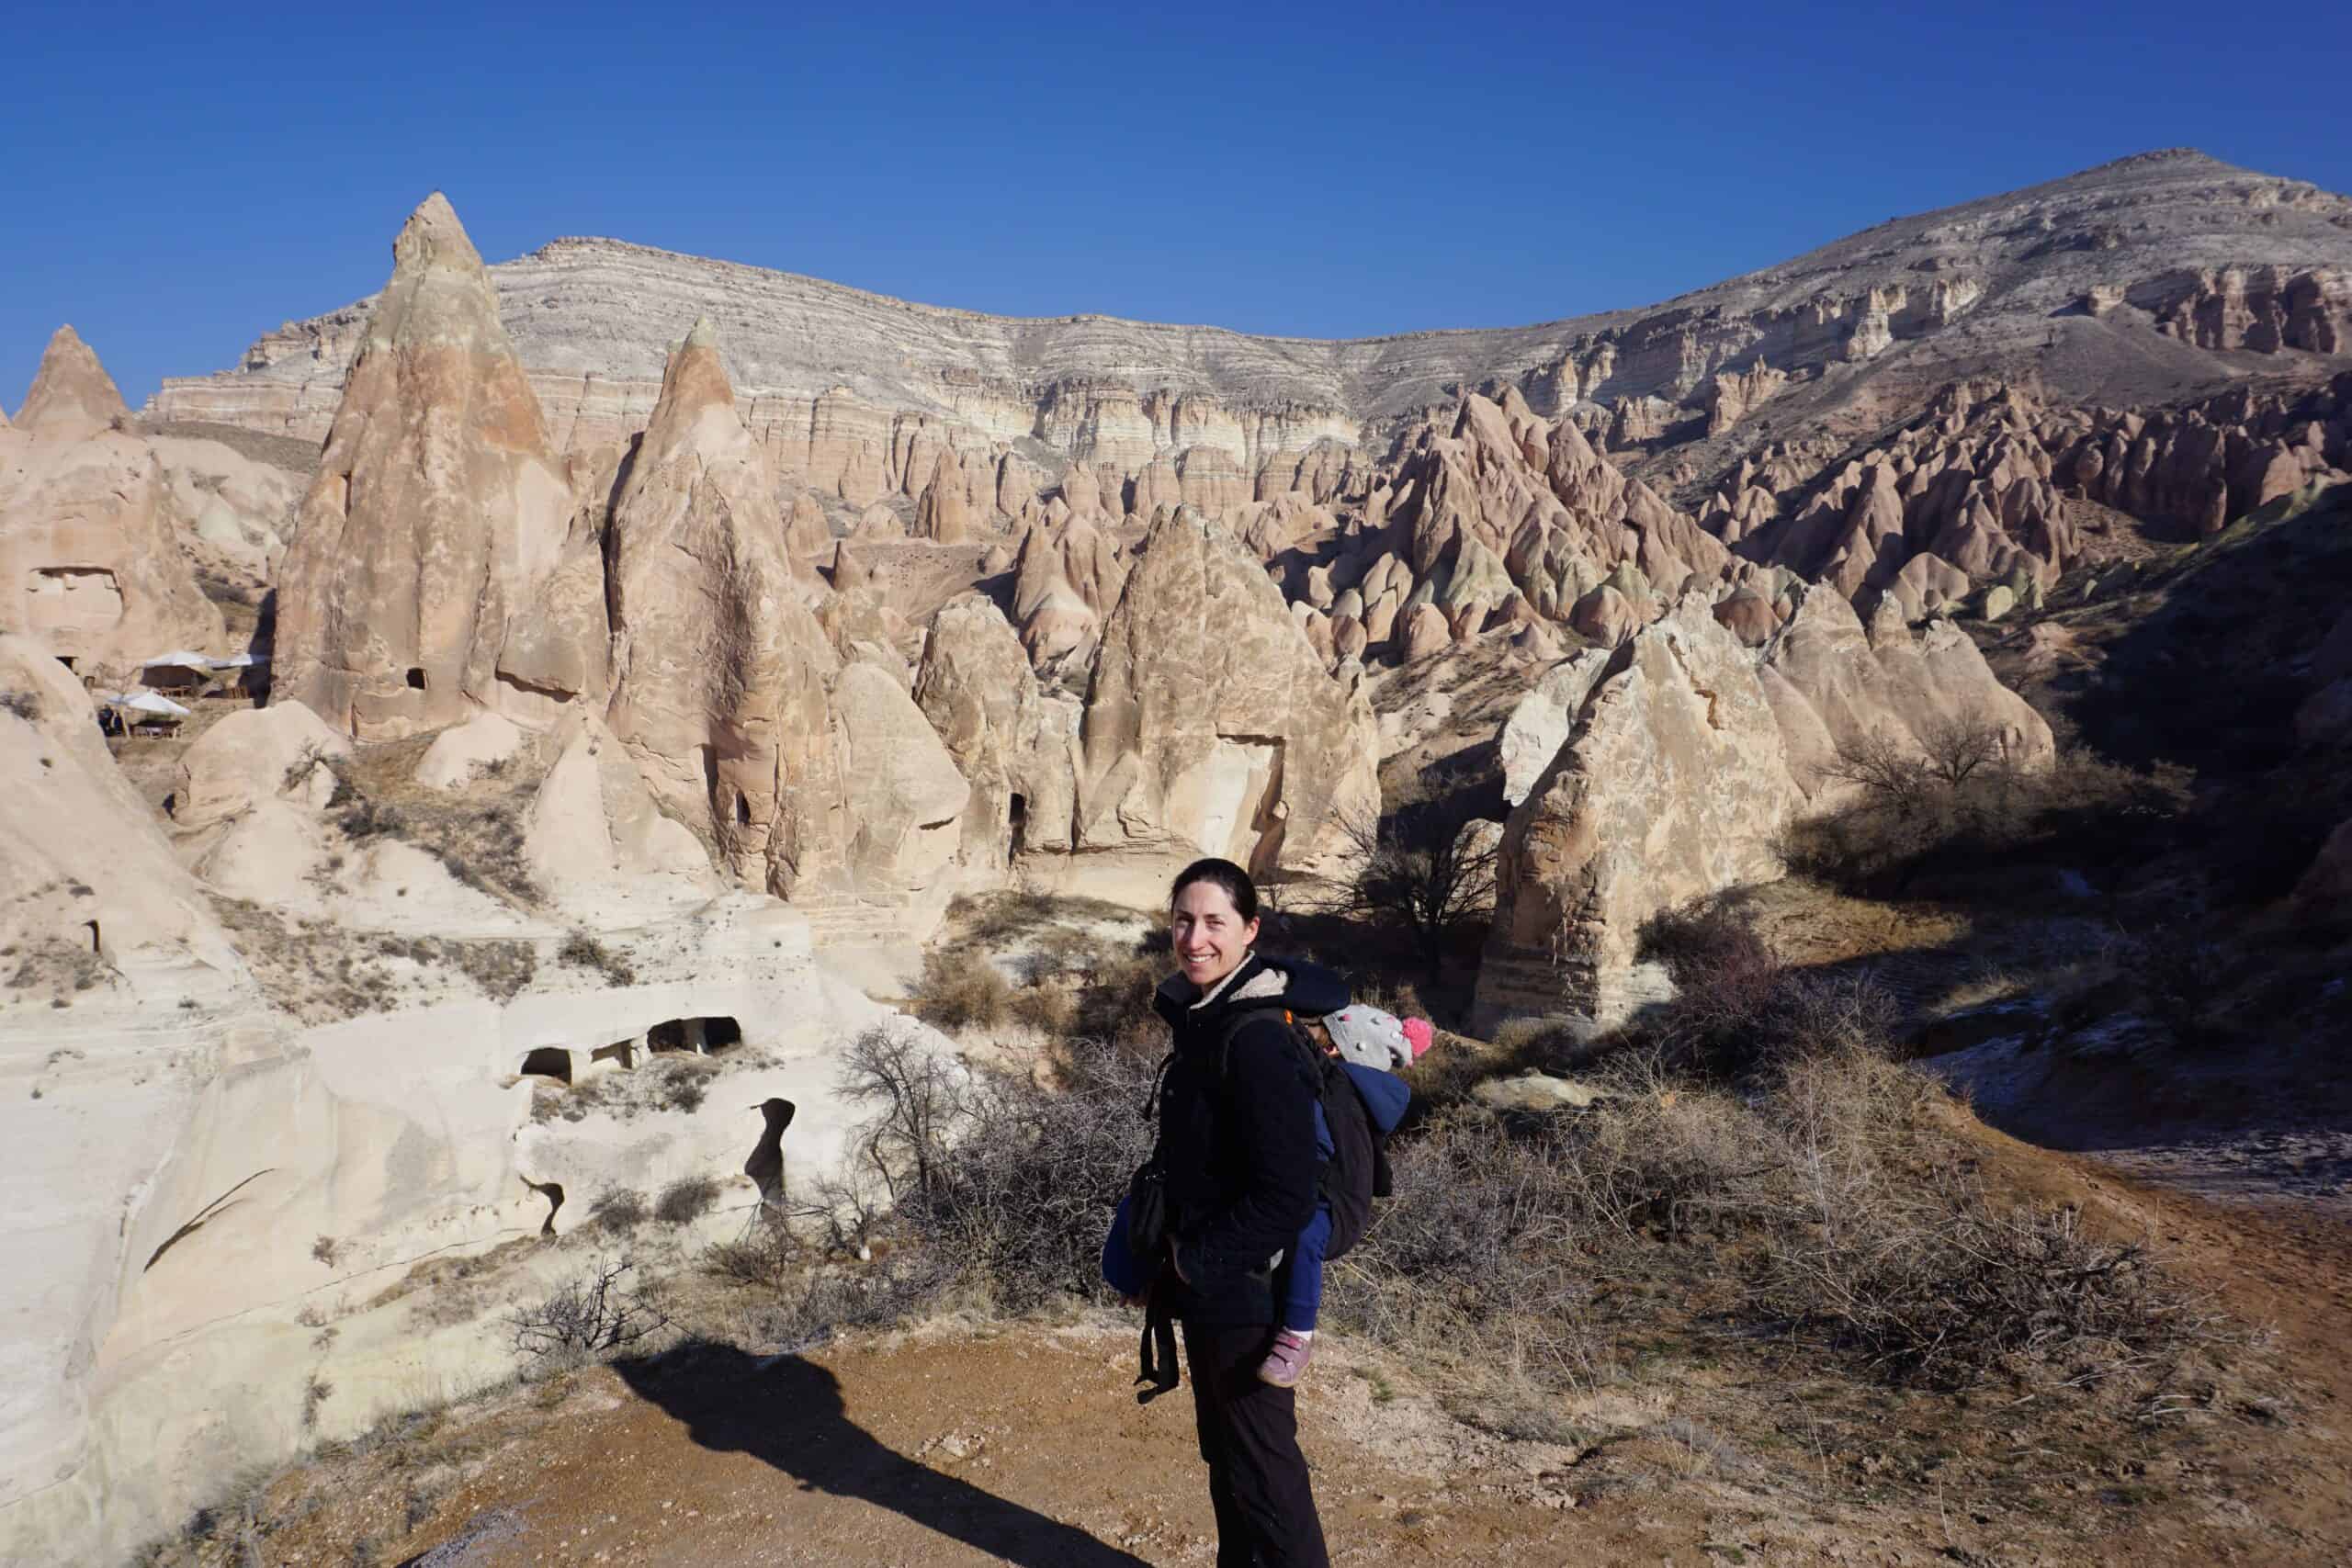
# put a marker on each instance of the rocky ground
(965, 1442)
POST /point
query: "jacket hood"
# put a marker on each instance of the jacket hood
(1307, 989)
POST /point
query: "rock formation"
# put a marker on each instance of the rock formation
(2191, 270)
(1673, 786)
(1017, 747)
(439, 515)
(1068, 577)
(90, 563)
(72, 396)
(719, 673)
(1211, 726)
(1683, 759)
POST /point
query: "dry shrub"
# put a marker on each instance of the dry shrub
(585, 952)
(1894, 1248)
(501, 968)
(686, 1200)
(593, 1314)
(1113, 998)
(1025, 1192)
(765, 1255)
(1048, 1008)
(2094, 810)
(618, 1209)
(921, 1103)
(961, 989)
(682, 1083)
(24, 704)
(1737, 1008)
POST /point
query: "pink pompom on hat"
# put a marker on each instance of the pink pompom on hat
(1419, 1035)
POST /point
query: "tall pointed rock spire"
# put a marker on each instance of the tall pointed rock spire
(72, 395)
(719, 672)
(417, 588)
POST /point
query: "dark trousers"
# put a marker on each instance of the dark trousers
(1265, 1507)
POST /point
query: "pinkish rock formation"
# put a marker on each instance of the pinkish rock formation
(718, 673)
(90, 562)
(72, 396)
(438, 517)
(1211, 726)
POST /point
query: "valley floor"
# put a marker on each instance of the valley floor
(964, 1443)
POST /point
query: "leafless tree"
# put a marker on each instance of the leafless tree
(920, 1101)
(1427, 868)
(1956, 748)
(1906, 775)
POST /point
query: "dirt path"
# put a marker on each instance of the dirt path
(965, 1446)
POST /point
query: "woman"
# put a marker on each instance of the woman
(1236, 1136)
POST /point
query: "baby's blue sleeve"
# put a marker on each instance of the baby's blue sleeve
(1385, 1095)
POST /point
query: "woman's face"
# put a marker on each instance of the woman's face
(1208, 933)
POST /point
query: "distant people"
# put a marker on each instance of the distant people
(1239, 1166)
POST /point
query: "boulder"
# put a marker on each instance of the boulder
(1747, 617)
(1540, 1093)
(90, 563)
(943, 515)
(461, 751)
(1605, 616)
(283, 751)
(594, 829)
(1427, 633)
(72, 396)
(901, 797)
(1539, 722)
(805, 533)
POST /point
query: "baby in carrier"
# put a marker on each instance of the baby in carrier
(1370, 1046)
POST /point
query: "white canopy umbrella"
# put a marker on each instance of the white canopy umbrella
(182, 658)
(148, 702)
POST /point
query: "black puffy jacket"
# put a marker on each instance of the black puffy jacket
(1237, 1138)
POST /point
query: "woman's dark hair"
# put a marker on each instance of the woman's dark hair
(1226, 874)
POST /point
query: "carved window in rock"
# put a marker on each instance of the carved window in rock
(547, 1062)
(63, 599)
(697, 1035)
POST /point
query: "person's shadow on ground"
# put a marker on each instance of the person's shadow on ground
(788, 1413)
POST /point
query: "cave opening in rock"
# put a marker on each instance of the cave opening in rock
(1020, 822)
(416, 679)
(698, 1035)
(98, 944)
(66, 659)
(743, 809)
(548, 1062)
(620, 1052)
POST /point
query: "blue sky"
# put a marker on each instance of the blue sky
(177, 182)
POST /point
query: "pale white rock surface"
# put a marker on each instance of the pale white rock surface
(1673, 786)
(463, 750)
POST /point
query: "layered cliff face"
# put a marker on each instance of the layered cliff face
(438, 514)
(2141, 281)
